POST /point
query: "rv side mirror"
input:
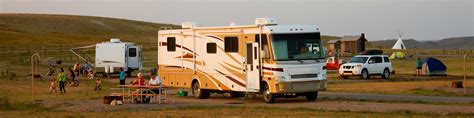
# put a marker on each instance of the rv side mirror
(264, 54)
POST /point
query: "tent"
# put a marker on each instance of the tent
(432, 66)
(397, 55)
(399, 45)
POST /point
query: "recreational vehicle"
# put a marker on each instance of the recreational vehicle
(113, 55)
(265, 58)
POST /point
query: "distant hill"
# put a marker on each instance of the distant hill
(43, 29)
(448, 43)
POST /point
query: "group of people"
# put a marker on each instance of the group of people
(61, 78)
(83, 69)
(140, 81)
(154, 79)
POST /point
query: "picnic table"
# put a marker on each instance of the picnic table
(145, 91)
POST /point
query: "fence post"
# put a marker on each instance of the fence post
(464, 82)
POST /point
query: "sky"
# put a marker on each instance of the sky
(378, 19)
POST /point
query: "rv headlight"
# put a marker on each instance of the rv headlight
(280, 78)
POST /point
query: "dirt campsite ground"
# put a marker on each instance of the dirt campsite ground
(87, 102)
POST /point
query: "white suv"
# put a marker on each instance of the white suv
(366, 65)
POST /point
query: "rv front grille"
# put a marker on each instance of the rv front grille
(304, 76)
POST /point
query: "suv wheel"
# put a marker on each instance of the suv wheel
(345, 77)
(364, 74)
(385, 74)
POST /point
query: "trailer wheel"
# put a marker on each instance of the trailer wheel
(267, 96)
(200, 93)
(129, 73)
(311, 96)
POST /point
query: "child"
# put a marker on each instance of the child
(97, 84)
(52, 87)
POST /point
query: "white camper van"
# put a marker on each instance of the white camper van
(288, 62)
(113, 55)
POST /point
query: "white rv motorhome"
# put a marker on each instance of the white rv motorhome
(113, 55)
(266, 58)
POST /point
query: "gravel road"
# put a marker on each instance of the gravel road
(377, 97)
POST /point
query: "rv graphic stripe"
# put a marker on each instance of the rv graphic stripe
(177, 45)
(232, 79)
(215, 37)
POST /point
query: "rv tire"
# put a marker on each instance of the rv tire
(267, 96)
(311, 96)
(198, 92)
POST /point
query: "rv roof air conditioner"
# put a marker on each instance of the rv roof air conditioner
(265, 21)
(186, 25)
(115, 40)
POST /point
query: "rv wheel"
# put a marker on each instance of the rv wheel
(200, 93)
(267, 96)
(311, 96)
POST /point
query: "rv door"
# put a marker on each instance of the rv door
(252, 72)
(133, 57)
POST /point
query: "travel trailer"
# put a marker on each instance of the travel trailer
(265, 58)
(113, 55)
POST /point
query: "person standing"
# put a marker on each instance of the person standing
(122, 77)
(419, 65)
(62, 80)
(76, 68)
(71, 74)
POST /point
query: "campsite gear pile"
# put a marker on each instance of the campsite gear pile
(397, 55)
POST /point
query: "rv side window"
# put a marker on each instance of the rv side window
(231, 44)
(211, 48)
(132, 52)
(171, 44)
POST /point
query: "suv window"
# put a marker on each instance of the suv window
(386, 59)
(376, 60)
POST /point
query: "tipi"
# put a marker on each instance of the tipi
(399, 44)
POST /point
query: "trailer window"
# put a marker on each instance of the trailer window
(231, 44)
(132, 52)
(211, 48)
(171, 44)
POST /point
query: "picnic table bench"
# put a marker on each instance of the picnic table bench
(145, 91)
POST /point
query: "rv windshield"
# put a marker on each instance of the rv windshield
(304, 46)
